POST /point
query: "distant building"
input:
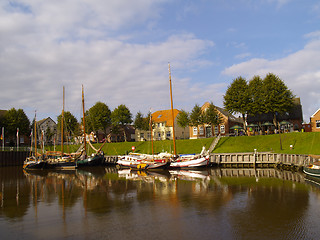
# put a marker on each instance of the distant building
(48, 128)
(163, 127)
(315, 121)
(224, 128)
(288, 121)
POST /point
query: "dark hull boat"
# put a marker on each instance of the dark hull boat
(32, 163)
(95, 160)
(312, 169)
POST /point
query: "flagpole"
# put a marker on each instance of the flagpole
(17, 139)
(2, 138)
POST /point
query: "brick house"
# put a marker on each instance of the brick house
(227, 121)
(292, 119)
(163, 127)
(315, 121)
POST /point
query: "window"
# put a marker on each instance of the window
(317, 123)
(200, 130)
(195, 131)
(222, 129)
(216, 130)
(168, 134)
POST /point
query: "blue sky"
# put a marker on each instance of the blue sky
(119, 51)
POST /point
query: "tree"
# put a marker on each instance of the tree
(211, 116)
(120, 117)
(183, 119)
(277, 97)
(196, 117)
(237, 99)
(14, 119)
(257, 99)
(141, 122)
(70, 124)
(98, 117)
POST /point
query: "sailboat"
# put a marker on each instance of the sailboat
(96, 159)
(190, 160)
(33, 162)
(145, 161)
(65, 161)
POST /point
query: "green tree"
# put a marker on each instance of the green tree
(14, 119)
(277, 97)
(237, 98)
(183, 119)
(257, 97)
(196, 117)
(98, 117)
(71, 125)
(120, 117)
(211, 116)
(141, 122)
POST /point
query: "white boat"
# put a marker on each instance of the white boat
(141, 162)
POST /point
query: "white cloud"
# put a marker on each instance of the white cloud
(300, 71)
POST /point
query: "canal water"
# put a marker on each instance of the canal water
(107, 203)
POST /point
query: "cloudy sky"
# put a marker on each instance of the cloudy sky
(119, 50)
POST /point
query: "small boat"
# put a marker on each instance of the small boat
(191, 160)
(97, 159)
(312, 169)
(138, 162)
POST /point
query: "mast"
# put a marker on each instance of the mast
(172, 114)
(62, 120)
(151, 134)
(35, 135)
(84, 124)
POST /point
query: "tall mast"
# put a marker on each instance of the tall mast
(35, 135)
(172, 114)
(84, 123)
(151, 133)
(62, 120)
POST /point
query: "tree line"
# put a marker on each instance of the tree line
(257, 96)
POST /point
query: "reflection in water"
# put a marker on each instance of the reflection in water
(123, 204)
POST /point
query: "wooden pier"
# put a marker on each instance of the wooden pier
(261, 159)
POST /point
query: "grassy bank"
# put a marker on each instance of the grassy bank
(187, 146)
(303, 143)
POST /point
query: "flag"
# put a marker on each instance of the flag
(17, 132)
(1, 137)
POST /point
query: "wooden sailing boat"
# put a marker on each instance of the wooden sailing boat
(185, 161)
(145, 161)
(96, 159)
(33, 162)
(65, 161)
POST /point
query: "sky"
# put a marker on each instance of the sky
(119, 51)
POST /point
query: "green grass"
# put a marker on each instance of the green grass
(187, 146)
(303, 143)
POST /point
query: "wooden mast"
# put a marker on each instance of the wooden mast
(35, 135)
(172, 114)
(62, 120)
(84, 124)
(151, 134)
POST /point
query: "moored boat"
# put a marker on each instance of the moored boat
(137, 162)
(312, 169)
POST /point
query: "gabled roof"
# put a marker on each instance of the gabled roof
(222, 111)
(164, 116)
(313, 115)
(44, 120)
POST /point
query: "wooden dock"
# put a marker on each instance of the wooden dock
(261, 159)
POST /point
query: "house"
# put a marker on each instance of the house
(315, 121)
(288, 121)
(224, 128)
(163, 127)
(49, 129)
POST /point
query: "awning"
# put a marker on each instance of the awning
(267, 124)
(252, 125)
(236, 127)
(284, 123)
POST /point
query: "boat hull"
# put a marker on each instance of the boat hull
(96, 160)
(143, 165)
(311, 171)
(191, 163)
(34, 165)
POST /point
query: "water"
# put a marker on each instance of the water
(107, 203)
